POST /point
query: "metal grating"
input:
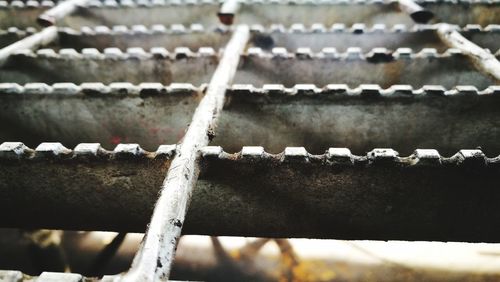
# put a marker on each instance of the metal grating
(290, 75)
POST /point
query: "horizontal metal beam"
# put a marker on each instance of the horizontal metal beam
(360, 118)
(285, 12)
(379, 196)
(134, 65)
(355, 66)
(341, 36)
(148, 113)
(194, 37)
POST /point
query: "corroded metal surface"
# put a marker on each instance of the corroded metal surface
(379, 195)
(149, 113)
(341, 37)
(135, 65)
(22, 14)
(354, 67)
(284, 12)
(273, 116)
(193, 37)
(363, 97)
(360, 118)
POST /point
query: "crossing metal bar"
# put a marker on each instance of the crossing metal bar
(43, 37)
(416, 12)
(227, 11)
(62, 9)
(153, 261)
(482, 59)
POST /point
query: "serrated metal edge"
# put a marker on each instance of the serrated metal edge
(97, 89)
(362, 28)
(139, 29)
(55, 150)
(362, 91)
(344, 157)
(17, 4)
(338, 156)
(351, 53)
(113, 53)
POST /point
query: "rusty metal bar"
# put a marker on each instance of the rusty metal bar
(354, 67)
(365, 36)
(335, 194)
(415, 11)
(63, 8)
(41, 38)
(110, 12)
(159, 114)
(154, 259)
(133, 65)
(228, 11)
(482, 59)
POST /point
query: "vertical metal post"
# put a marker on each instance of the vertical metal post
(153, 261)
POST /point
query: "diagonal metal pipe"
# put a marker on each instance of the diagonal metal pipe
(154, 259)
(482, 59)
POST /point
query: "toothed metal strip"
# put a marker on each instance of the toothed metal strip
(113, 65)
(139, 29)
(96, 89)
(18, 276)
(307, 90)
(122, 37)
(352, 53)
(152, 114)
(359, 35)
(358, 28)
(353, 68)
(390, 197)
(132, 53)
(94, 152)
(83, 152)
(288, 13)
(363, 91)
(16, 4)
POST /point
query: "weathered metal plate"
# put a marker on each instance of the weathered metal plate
(353, 67)
(294, 194)
(274, 117)
(193, 37)
(284, 12)
(22, 14)
(112, 65)
(360, 119)
(341, 37)
(149, 113)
